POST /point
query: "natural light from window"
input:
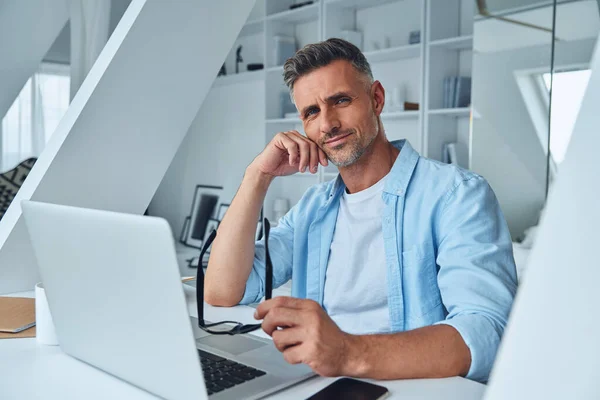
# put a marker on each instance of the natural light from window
(34, 115)
(568, 89)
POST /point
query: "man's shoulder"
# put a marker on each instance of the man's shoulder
(432, 175)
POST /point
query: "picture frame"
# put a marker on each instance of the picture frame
(210, 225)
(204, 207)
(223, 207)
(184, 230)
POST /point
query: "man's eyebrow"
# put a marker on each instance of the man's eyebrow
(335, 97)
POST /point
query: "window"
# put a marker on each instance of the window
(568, 88)
(34, 115)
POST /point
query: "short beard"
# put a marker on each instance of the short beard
(355, 154)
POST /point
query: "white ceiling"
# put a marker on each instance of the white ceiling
(574, 21)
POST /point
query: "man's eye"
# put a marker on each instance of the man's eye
(311, 112)
(343, 100)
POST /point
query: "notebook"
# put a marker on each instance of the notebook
(17, 316)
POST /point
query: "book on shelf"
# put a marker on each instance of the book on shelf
(455, 153)
(456, 91)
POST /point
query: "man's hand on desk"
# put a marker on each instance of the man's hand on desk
(308, 336)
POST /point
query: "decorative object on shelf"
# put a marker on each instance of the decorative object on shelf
(397, 99)
(414, 37)
(302, 4)
(281, 206)
(184, 230)
(286, 105)
(354, 37)
(284, 47)
(457, 91)
(254, 66)
(11, 181)
(238, 59)
(375, 45)
(222, 71)
(211, 225)
(409, 106)
(387, 43)
(204, 207)
(455, 153)
(222, 210)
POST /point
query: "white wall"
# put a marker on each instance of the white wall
(225, 136)
(505, 146)
(550, 347)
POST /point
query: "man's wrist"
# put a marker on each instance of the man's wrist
(258, 178)
(356, 359)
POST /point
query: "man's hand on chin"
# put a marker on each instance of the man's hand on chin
(307, 335)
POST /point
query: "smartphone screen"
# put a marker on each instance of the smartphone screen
(351, 389)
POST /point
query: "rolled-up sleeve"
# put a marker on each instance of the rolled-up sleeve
(477, 275)
(281, 241)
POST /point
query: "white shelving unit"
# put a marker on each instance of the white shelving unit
(445, 49)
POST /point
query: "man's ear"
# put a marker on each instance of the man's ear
(377, 97)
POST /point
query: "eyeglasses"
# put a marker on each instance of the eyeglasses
(238, 327)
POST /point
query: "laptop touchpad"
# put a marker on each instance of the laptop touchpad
(231, 344)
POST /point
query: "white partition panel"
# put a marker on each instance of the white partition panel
(128, 119)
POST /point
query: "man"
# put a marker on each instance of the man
(402, 267)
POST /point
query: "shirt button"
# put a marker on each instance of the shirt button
(400, 191)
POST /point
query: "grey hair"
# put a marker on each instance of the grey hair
(317, 55)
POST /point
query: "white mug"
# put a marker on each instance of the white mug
(45, 333)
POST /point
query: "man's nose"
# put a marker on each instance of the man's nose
(329, 121)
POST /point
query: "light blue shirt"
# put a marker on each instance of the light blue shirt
(447, 248)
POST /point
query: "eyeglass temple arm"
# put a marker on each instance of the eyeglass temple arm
(200, 279)
(200, 272)
(268, 264)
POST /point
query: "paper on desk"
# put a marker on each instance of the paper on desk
(17, 316)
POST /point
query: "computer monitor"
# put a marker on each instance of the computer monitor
(551, 346)
(124, 126)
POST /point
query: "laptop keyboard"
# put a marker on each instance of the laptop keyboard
(221, 373)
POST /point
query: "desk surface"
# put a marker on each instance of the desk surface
(29, 370)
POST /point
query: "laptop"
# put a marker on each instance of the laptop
(117, 301)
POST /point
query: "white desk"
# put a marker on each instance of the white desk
(31, 371)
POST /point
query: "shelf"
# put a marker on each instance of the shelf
(452, 112)
(357, 4)
(455, 43)
(297, 15)
(284, 121)
(252, 27)
(239, 78)
(400, 114)
(278, 68)
(394, 53)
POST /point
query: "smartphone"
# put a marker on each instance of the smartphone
(351, 389)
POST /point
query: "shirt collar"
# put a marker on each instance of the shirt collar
(399, 176)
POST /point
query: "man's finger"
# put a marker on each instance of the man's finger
(280, 301)
(293, 354)
(282, 317)
(323, 158)
(284, 338)
(291, 147)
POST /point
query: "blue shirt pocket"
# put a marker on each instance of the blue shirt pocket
(422, 299)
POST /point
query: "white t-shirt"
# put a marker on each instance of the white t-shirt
(356, 293)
